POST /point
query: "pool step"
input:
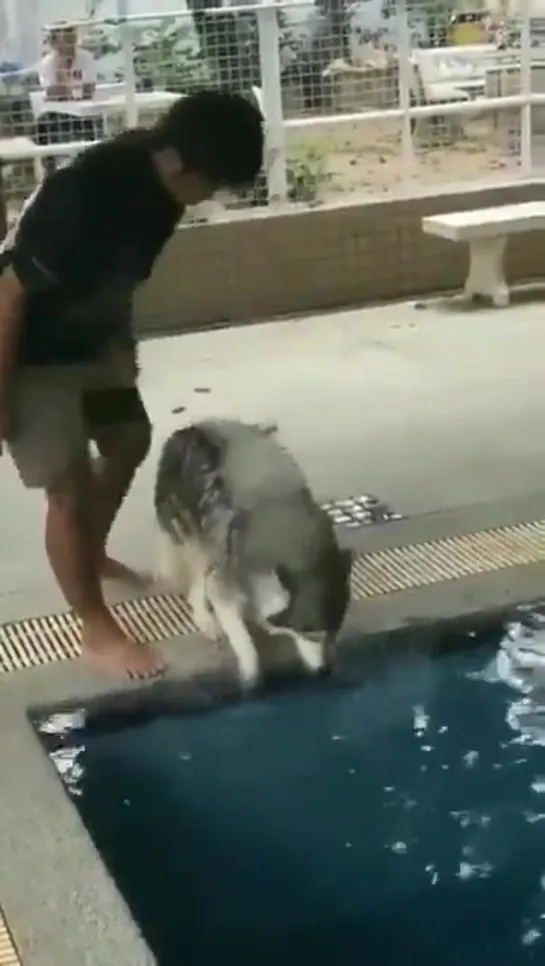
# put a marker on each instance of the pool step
(43, 640)
(8, 952)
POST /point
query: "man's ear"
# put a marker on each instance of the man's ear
(170, 161)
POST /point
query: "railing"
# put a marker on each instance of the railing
(397, 120)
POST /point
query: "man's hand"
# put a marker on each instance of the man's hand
(4, 425)
(122, 361)
(12, 301)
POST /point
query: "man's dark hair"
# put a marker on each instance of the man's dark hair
(218, 134)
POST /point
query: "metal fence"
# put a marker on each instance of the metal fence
(357, 102)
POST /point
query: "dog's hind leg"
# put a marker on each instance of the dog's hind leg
(182, 567)
(198, 601)
(171, 567)
(197, 594)
(228, 608)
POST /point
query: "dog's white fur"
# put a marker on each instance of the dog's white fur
(184, 569)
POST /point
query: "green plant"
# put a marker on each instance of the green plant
(101, 41)
(168, 56)
(307, 175)
(183, 55)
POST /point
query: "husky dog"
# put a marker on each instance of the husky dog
(242, 537)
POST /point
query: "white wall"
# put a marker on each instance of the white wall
(54, 10)
(19, 30)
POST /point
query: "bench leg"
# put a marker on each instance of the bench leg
(486, 275)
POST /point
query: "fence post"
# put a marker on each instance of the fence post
(405, 75)
(525, 89)
(129, 75)
(275, 144)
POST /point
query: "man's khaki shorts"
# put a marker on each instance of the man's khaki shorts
(55, 411)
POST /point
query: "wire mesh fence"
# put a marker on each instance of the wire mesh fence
(411, 57)
(359, 98)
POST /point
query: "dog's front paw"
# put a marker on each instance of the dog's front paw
(327, 668)
(330, 658)
(249, 674)
(312, 654)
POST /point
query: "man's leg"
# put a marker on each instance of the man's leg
(70, 540)
(49, 448)
(118, 423)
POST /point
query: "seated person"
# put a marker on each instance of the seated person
(67, 72)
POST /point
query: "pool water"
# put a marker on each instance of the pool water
(380, 820)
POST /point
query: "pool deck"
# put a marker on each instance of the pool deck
(438, 412)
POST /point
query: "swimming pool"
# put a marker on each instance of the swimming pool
(392, 814)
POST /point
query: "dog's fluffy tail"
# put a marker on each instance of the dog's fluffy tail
(172, 568)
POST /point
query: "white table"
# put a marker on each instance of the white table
(108, 106)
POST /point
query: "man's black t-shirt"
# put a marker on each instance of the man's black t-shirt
(86, 238)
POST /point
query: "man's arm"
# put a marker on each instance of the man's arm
(12, 301)
(39, 251)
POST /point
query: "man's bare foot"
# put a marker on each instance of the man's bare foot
(106, 647)
(115, 570)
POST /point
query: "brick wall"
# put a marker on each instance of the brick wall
(320, 258)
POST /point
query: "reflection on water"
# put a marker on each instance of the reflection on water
(387, 821)
(520, 664)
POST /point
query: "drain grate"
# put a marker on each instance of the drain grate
(8, 953)
(55, 637)
(44, 640)
(423, 564)
(359, 511)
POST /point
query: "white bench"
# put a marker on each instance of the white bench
(456, 71)
(486, 230)
(431, 85)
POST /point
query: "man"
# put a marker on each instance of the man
(68, 367)
(68, 69)
(67, 73)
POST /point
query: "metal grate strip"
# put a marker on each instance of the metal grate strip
(420, 565)
(8, 952)
(55, 637)
(44, 640)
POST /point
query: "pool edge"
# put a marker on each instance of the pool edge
(59, 900)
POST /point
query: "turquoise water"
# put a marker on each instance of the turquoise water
(390, 821)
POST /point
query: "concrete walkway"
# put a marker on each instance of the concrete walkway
(431, 409)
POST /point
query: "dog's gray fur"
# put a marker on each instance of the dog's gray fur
(245, 540)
